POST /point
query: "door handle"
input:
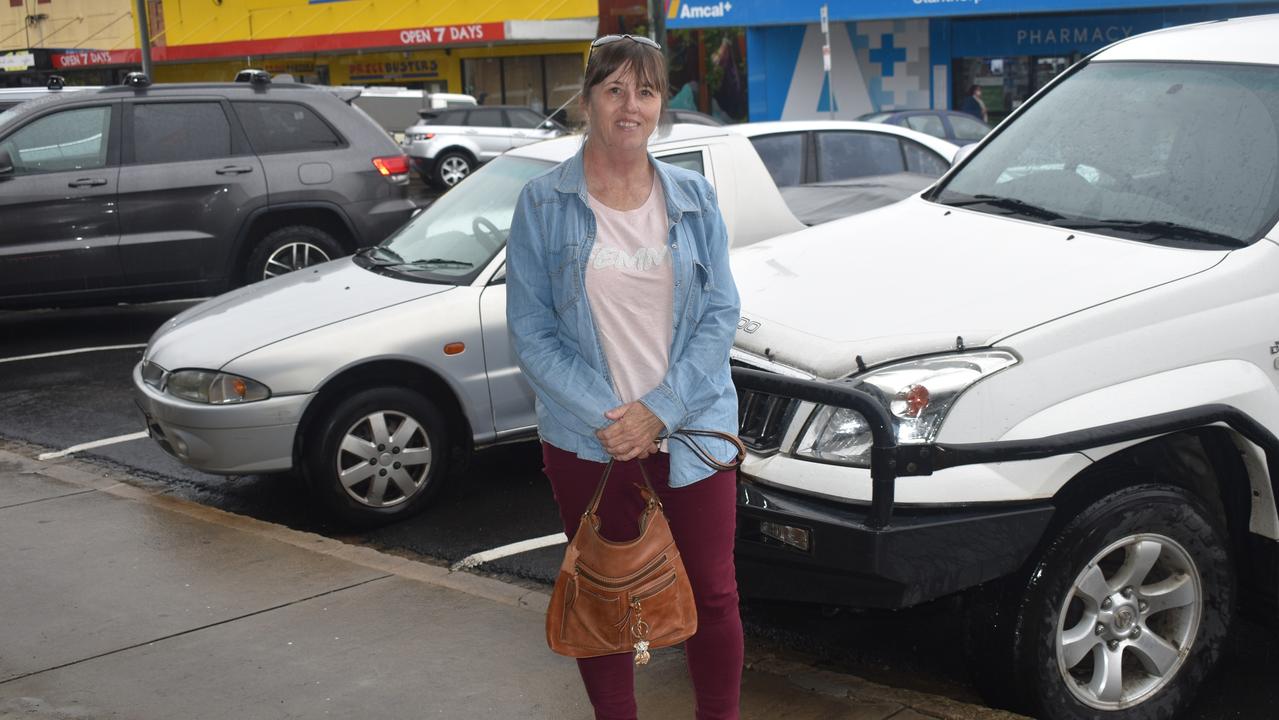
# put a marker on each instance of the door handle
(87, 182)
(234, 170)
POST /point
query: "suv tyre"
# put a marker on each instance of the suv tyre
(451, 168)
(290, 248)
(1124, 612)
(378, 456)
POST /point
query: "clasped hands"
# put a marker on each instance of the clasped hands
(633, 434)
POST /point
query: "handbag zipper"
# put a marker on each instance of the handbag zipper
(622, 582)
(670, 580)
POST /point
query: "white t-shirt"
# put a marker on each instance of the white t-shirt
(630, 284)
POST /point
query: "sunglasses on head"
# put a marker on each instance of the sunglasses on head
(609, 39)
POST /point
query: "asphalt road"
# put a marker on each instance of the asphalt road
(60, 401)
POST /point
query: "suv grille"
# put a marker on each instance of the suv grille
(762, 419)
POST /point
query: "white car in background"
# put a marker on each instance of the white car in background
(1066, 353)
(372, 373)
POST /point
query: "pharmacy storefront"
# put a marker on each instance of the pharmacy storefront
(900, 54)
(502, 51)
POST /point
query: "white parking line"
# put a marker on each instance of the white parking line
(91, 445)
(479, 558)
(71, 352)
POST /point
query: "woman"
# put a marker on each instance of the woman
(622, 309)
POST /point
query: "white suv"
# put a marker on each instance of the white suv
(449, 146)
(1066, 354)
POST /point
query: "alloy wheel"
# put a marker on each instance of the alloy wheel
(293, 256)
(384, 459)
(454, 169)
(1128, 622)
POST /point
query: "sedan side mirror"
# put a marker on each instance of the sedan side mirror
(6, 163)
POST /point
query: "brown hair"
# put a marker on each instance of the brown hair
(645, 61)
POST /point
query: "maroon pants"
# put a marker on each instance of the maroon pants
(702, 517)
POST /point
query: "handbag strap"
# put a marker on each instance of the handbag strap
(599, 489)
(687, 437)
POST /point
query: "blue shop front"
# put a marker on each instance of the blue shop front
(901, 54)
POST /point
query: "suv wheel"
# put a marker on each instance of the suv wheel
(378, 457)
(1125, 612)
(452, 168)
(291, 248)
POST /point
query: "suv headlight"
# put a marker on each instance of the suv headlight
(918, 394)
(214, 388)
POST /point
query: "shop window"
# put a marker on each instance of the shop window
(541, 83)
(522, 78)
(180, 132)
(783, 155)
(563, 81)
(284, 127)
(844, 155)
(69, 140)
(482, 79)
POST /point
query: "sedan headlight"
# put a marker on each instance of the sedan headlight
(214, 388)
(918, 394)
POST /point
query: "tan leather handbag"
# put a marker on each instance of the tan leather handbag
(616, 597)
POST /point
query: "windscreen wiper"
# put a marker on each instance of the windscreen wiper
(435, 262)
(1158, 229)
(1020, 207)
(389, 256)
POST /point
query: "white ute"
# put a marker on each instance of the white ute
(1066, 353)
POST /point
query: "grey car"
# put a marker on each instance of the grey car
(372, 374)
(449, 146)
(147, 192)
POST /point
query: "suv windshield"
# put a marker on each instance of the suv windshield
(456, 237)
(1175, 153)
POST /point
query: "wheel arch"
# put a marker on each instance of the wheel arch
(1212, 462)
(324, 216)
(469, 149)
(389, 372)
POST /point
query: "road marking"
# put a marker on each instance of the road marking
(91, 445)
(479, 558)
(71, 352)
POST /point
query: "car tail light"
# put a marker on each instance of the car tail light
(393, 167)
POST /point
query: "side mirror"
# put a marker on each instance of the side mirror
(6, 163)
(963, 153)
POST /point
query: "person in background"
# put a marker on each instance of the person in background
(622, 308)
(973, 104)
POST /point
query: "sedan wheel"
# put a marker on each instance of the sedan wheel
(384, 459)
(377, 456)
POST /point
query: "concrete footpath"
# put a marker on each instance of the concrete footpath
(120, 602)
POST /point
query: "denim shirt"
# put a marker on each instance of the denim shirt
(555, 338)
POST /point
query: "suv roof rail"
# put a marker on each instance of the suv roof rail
(56, 82)
(137, 80)
(255, 76)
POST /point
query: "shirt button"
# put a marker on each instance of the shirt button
(675, 246)
(677, 283)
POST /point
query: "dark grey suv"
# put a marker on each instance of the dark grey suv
(144, 192)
